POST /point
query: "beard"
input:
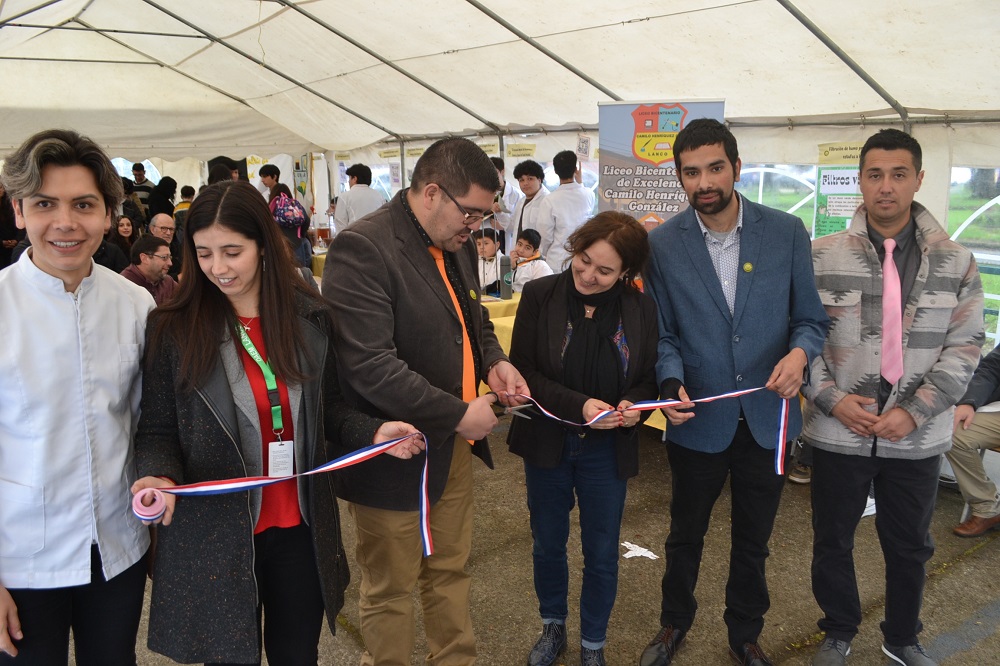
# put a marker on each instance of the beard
(714, 207)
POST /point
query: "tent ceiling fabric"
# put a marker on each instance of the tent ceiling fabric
(179, 78)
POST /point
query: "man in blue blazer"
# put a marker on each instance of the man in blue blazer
(738, 309)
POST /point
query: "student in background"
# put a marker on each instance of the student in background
(489, 261)
(527, 262)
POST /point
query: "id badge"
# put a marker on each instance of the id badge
(280, 458)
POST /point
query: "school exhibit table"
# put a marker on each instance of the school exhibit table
(318, 262)
(500, 308)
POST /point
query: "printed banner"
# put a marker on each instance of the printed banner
(637, 173)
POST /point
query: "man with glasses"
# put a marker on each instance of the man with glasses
(410, 325)
(163, 226)
(150, 266)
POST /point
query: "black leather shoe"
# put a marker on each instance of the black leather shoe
(663, 647)
(750, 654)
(590, 657)
(549, 646)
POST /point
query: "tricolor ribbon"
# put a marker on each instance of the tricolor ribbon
(158, 505)
(649, 405)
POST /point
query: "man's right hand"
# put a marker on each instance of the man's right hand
(678, 414)
(10, 624)
(964, 416)
(479, 419)
(852, 413)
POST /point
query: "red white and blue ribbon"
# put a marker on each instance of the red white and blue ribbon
(649, 405)
(158, 505)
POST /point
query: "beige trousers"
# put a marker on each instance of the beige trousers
(391, 561)
(977, 488)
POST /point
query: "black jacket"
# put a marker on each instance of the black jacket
(204, 600)
(985, 385)
(536, 351)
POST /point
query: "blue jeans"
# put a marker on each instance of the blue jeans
(588, 466)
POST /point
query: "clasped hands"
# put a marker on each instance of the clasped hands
(620, 416)
(853, 412)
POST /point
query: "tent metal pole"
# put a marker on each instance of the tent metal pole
(273, 70)
(531, 41)
(402, 164)
(909, 122)
(103, 31)
(849, 61)
(160, 63)
(29, 11)
(388, 63)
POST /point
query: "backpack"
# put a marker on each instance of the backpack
(289, 213)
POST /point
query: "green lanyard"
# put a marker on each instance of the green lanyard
(273, 396)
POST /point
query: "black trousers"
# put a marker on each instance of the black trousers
(290, 595)
(698, 479)
(905, 492)
(104, 616)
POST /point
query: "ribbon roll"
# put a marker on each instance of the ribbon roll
(157, 506)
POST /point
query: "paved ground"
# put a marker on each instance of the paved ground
(961, 612)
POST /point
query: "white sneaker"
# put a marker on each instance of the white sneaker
(869, 507)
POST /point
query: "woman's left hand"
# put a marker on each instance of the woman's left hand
(630, 417)
(395, 429)
(593, 407)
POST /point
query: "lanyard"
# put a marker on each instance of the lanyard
(273, 396)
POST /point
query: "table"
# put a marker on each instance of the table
(503, 327)
(499, 308)
(318, 262)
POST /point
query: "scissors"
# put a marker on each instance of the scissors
(515, 410)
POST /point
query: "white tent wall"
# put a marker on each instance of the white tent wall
(189, 78)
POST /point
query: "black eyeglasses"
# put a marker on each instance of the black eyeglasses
(470, 218)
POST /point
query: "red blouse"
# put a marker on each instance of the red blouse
(279, 506)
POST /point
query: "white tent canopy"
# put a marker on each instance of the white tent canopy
(200, 78)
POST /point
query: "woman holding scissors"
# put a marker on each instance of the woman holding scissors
(240, 380)
(585, 341)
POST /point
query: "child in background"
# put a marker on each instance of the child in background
(488, 246)
(527, 263)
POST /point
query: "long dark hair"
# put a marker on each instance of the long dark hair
(197, 318)
(121, 241)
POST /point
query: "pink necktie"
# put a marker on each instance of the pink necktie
(892, 317)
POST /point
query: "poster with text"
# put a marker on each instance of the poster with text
(637, 174)
(837, 192)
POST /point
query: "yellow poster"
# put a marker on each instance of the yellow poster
(490, 148)
(389, 153)
(415, 152)
(342, 156)
(840, 152)
(521, 149)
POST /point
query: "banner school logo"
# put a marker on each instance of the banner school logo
(656, 128)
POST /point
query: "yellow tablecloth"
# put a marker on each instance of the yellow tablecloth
(319, 261)
(506, 308)
(504, 329)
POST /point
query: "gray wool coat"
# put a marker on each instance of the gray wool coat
(204, 600)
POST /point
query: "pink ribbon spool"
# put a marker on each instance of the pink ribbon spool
(155, 509)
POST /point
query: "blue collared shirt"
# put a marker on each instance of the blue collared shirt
(725, 253)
